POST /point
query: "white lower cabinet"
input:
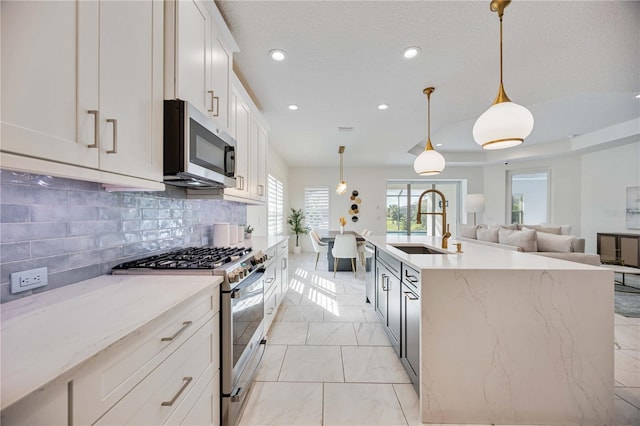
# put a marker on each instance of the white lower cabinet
(174, 385)
(45, 408)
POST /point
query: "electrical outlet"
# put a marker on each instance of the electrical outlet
(27, 280)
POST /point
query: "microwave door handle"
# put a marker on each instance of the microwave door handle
(229, 154)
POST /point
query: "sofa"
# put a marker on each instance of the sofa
(543, 240)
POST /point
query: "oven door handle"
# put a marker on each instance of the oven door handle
(237, 292)
(237, 396)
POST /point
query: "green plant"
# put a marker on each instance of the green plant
(295, 222)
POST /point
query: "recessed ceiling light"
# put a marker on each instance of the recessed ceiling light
(438, 144)
(411, 52)
(638, 96)
(383, 106)
(293, 107)
(278, 55)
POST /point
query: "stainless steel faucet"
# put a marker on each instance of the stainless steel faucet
(445, 227)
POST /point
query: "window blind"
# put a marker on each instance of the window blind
(316, 207)
(275, 206)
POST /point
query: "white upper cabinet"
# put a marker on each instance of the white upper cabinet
(250, 132)
(82, 90)
(198, 57)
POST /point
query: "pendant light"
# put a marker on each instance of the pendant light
(504, 124)
(429, 162)
(342, 186)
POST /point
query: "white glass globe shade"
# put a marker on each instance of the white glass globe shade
(429, 162)
(342, 187)
(503, 125)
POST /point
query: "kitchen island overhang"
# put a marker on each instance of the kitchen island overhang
(511, 338)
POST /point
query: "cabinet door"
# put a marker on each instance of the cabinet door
(206, 410)
(192, 47)
(629, 247)
(411, 335)
(381, 291)
(49, 80)
(394, 292)
(254, 129)
(607, 248)
(241, 131)
(220, 73)
(131, 88)
(262, 164)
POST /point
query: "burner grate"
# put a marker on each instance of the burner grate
(189, 258)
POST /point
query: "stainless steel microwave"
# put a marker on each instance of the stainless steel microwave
(196, 153)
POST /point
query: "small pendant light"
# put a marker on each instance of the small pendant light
(429, 162)
(504, 124)
(342, 186)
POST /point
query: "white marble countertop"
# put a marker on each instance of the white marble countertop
(264, 243)
(49, 334)
(473, 256)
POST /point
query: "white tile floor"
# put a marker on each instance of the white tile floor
(328, 360)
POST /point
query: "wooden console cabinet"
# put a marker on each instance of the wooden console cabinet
(619, 249)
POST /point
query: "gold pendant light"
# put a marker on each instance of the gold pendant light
(429, 162)
(342, 186)
(504, 124)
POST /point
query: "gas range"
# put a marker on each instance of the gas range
(233, 263)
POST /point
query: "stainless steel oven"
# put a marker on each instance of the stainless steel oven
(243, 342)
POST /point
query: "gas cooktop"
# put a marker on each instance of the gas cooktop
(188, 258)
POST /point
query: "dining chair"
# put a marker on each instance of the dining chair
(319, 246)
(344, 247)
(360, 245)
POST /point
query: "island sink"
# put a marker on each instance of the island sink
(418, 249)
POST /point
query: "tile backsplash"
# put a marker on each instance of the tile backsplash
(79, 231)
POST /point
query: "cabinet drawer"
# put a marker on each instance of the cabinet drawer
(206, 405)
(389, 261)
(172, 384)
(270, 308)
(111, 375)
(411, 277)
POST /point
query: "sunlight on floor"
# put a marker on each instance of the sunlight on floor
(302, 273)
(323, 301)
(324, 283)
(297, 286)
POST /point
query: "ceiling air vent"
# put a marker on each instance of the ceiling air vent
(345, 129)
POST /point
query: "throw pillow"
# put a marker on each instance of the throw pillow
(513, 226)
(525, 239)
(555, 243)
(486, 234)
(548, 229)
(468, 231)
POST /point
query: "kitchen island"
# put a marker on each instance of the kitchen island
(507, 337)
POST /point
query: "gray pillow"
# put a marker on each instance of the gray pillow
(555, 243)
(549, 229)
(487, 234)
(525, 239)
(468, 231)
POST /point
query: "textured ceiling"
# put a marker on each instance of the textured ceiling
(574, 64)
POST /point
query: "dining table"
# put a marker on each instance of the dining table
(329, 237)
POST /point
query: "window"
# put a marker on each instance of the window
(316, 207)
(275, 206)
(528, 193)
(402, 206)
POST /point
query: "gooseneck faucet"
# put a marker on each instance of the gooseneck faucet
(445, 228)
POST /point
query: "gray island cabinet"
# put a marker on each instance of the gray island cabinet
(494, 336)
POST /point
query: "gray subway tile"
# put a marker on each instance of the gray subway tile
(13, 232)
(148, 203)
(53, 264)
(94, 198)
(71, 276)
(12, 252)
(132, 237)
(150, 214)
(19, 178)
(12, 213)
(93, 227)
(111, 240)
(24, 194)
(6, 296)
(87, 258)
(63, 213)
(109, 213)
(147, 225)
(149, 235)
(45, 248)
(130, 213)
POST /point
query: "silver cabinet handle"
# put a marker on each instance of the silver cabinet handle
(384, 277)
(239, 183)
(243, 183)
(185, 325)
(270, 311)
(115, 135)
(216, 100)
(410, 295)
(284, 263)
(96, 127)
(186, 380)
(261, 190)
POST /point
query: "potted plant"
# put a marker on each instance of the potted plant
(295, 222)
(247, 232)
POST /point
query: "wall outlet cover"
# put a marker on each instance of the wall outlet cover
(28, 280)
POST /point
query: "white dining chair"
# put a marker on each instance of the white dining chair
(344, 247)
(319, 246)
(360, 245)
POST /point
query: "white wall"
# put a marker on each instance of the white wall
(605, 177)
(565, 190)
(257, 215)
(371, 183)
